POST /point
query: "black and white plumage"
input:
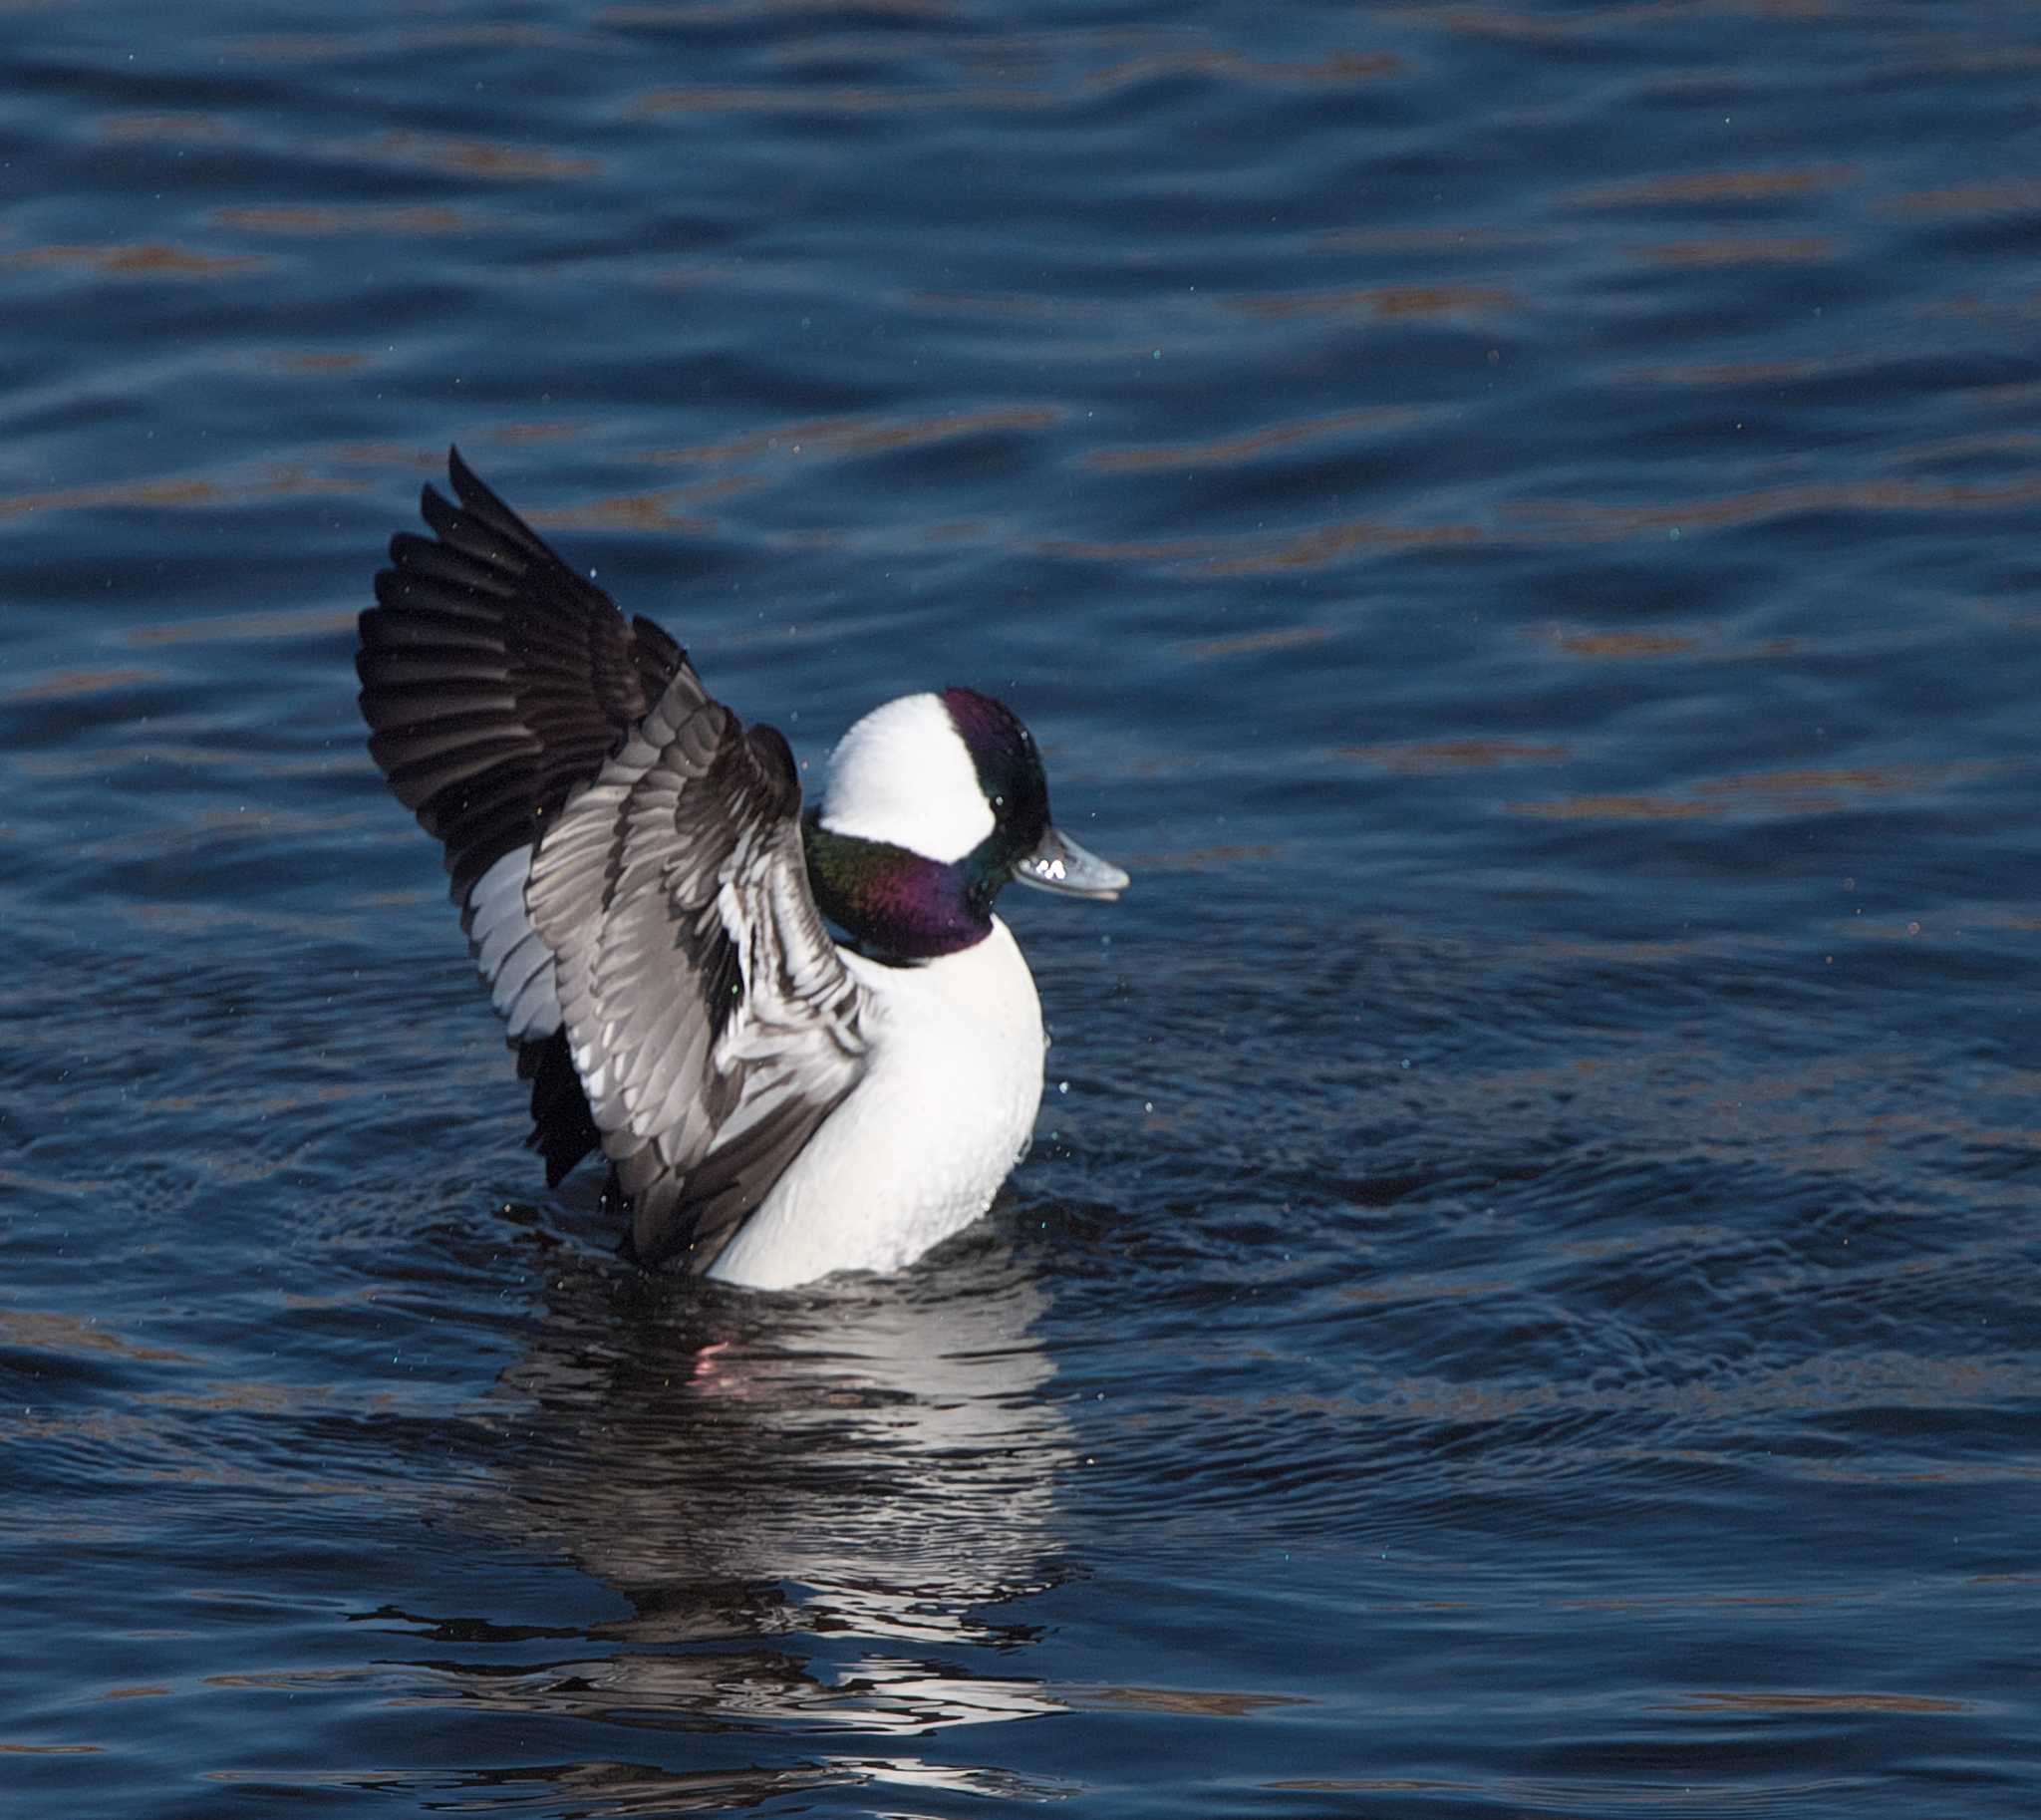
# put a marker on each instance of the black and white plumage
(641, 896)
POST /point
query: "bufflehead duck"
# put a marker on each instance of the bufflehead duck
(650, 911)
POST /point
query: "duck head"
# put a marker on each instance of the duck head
(934, 803)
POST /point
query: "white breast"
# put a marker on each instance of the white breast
(922, 1143)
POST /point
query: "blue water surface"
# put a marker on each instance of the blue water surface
(1516, 523)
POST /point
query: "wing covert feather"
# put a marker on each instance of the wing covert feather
(709, 1014)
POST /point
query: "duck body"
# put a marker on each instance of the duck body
(921, 1144)
(651, 913)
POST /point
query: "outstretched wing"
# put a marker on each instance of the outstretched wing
(709, 1014)
(629, 867)
(496, 682)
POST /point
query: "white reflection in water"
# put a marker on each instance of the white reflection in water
(817, 1505)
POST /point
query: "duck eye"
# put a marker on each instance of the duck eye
(999, 802)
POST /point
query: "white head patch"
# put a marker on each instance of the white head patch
(903, 776)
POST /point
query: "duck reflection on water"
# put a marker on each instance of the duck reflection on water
(819, 1506)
